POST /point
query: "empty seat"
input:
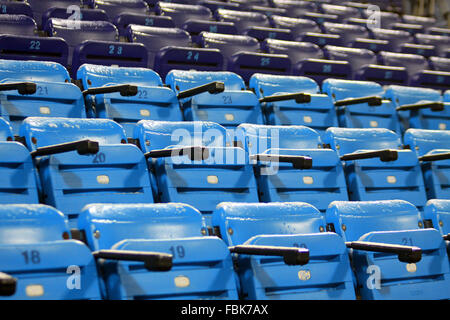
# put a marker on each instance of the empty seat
(437, 212)
(19, 25)
(441, 43)
(376, 166)
(427, 22)
(420, 49)
(41, 6)
(418, 69)
(15, 7)
(102, 170)
(213, 5)
(181, 13)
(172, 48)
(396, 38)
(229, 105)
(293, 100)
(365, 66)
(348, 32)
(285, 227)
(433, 149)
(447, 96)
(295, 8)
(439, 31)
(387, 19)
(77, 14)
(122, 21)
(113, 8)
(242, 55)
(393, 256)
(195, 165)
(36, 250)
(157, 251)
(196, 27)
(32, 88)
(360, 104)
(297, 26)
(420, 107)
(440, 64)
(411, 28)
(291, 165)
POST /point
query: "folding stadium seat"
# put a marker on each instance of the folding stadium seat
(439, 31)
(427, 22)
(242, 55)
(387, 19)
(280, 227)
(181, 13)
(172, 48)
(122, 21)
(364, 65)
(343, 12)
(32, 88)
(411, 28)
(18, 183)
(308, 59)
(348, 32)
(245, 4)
(107, 97)
(15, 7)
(320, 18)
(360, 104)
(420, 49)
(418, 69)
(40, 7)
(113, 8)
(420, 107)
(17, 24)
(252, 23)
(180, 262)
(219, 97)
(82, 161)
(437, 215)
(76, 14)
(295, 8)
(447, 96)
(196, 27)
(268, 11)
(376, 166)
(211, 173)
(393, 256)
(440, 64)
(441, 43)
(298, 26)
(432, 148)
(396, 38)
(37, 251)
(293, 100)
(290, 165)
(96, 42)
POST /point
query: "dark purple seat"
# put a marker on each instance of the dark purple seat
(427, 22)
(122, 21)
(41, 6)
(387, 19)
(83, 14)
(441, 43)
(440, 64)
(343, 12)
(348, 32)
(439, 31)
(298, 26)
(113, 8)
(19, 24)
(214, 5)
(408, 27)
(15, 7)
(195, 27)
(181, 13)
(396, 38)
(243, 20)
(295, 8)
(420, 49)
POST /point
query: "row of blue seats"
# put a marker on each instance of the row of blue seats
(127, 95)
(280, 250)
(68, 163)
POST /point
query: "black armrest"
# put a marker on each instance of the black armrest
(446, 237)
(7, 285)
(153, 261)
(298, 162)
(434, 106)
(212, 87)
(125, 90)
(435, 157)
(371, 101)
(83, 147)
(23, 87)
(292, 256)
(407, 254)
(384, 155)
(298, 97)
(194, 153)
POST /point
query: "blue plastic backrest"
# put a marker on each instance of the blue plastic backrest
(259, 138)
(13, 7)
(156, 135)
(17, 24)
(6, 133)
(266, 85)
(343, 89)
(181, 13)
(33, 71)
(181, 80)
(438, 210)
(447, 96)
(31, 223)
(402, 95)
(117, 222)
(349, 140)
(361, 217)
(99, 76)
(423, 141)
(51, 131)
(247, 220)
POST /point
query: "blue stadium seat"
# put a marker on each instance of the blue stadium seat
(122, 21)
(343, 12)
(441, 43)
(181, 13)
(393, 256)
(18, 183)
(420, 108)
(297, 26)
(291, 165)
(438, 213)
(170, 240)
(172, 48)
(396, 38)
(36, 249)
(447, 96)
(327, 273)
(195, 164)
(151, 100)
(37, 89)
(40, 7)
(229, 105)
(18, 25)
(15, 7)
(113, 8)
(293, 100)
(360, 104)
(242, 56)
(432, 148)
(365, 66)
(105, 170)
(376, 167)
(418, 69)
